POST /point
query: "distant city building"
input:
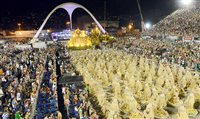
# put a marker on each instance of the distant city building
(62, 35)
(22, 34)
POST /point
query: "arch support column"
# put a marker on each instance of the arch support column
(71, 26)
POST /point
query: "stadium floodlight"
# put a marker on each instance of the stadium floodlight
(147, 26)
(186, 2)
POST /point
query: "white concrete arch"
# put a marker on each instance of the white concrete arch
(69, 7)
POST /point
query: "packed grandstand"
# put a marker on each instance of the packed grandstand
(184, 21)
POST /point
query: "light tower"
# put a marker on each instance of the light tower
(186, 2)
(19, 26)
(141, 16)
(147, 26)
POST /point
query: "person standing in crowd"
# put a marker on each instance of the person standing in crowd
(67, 104)
(1, 94)
(17, 115)
(18, 96)
(88, 89)
(63, 90)
(5, 114)
(59, 115)
(80, 112)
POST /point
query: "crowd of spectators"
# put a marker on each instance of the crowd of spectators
(185, 54)
(28, 83)
(30, 76)
(184, 21)
(20, 75)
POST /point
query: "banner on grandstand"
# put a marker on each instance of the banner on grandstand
(173, 38)
(23, 47)
(188, 39)
(39, 45)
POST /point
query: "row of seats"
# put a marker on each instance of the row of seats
(47, 103)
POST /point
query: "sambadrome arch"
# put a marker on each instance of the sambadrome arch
(69, 7)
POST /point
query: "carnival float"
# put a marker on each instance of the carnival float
(81, 41)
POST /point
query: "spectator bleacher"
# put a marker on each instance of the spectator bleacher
(184, 21)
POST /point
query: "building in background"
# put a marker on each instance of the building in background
(61, 35)
(23, 35)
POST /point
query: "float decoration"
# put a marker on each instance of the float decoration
(79, 40)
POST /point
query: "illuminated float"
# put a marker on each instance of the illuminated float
(97, 37)
(79, 40)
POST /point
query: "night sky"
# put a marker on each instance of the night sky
(31, 13)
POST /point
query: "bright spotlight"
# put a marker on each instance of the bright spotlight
(186, 2)
(148, 25)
